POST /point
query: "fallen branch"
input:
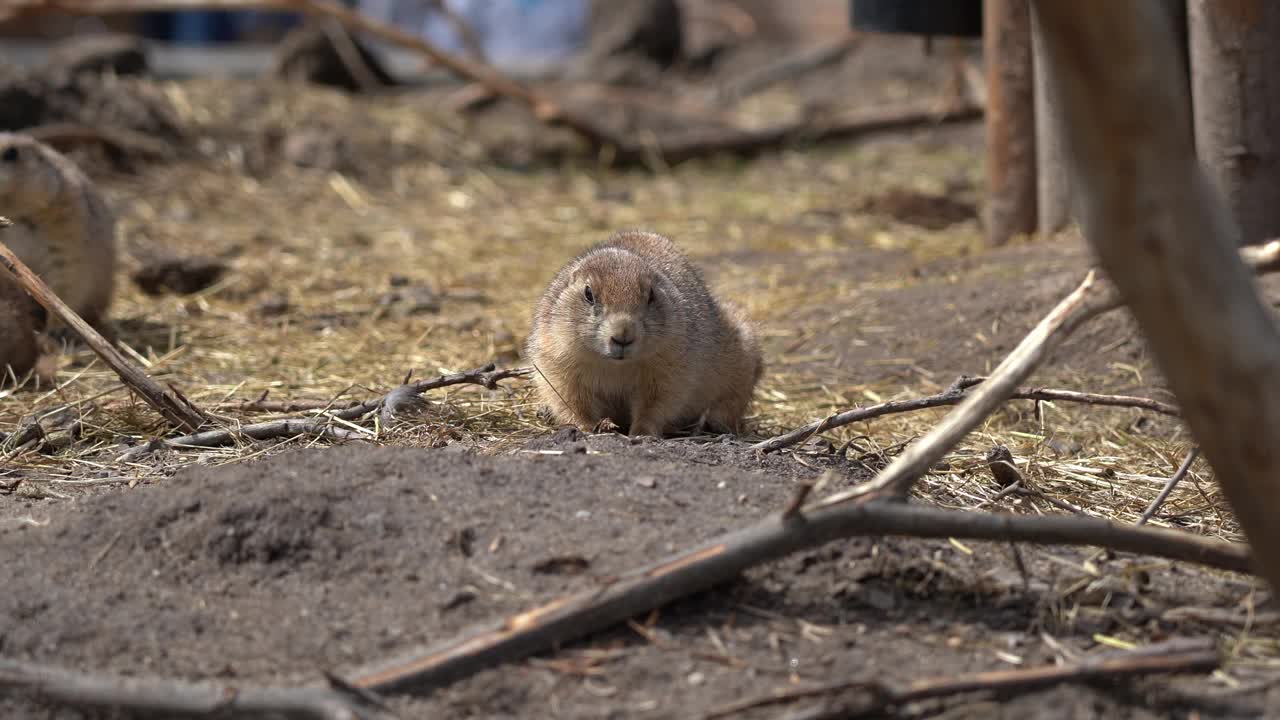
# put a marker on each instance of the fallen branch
(953, 395)
(694, 144)
(322, 425)
(171, 698)
(878, 697)
(640, 590)
(171, 404)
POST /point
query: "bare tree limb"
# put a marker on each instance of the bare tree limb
(170, 404)
(723, 558)
(169, 698)
(1177, 656)
(1165, 238)
(953, 395)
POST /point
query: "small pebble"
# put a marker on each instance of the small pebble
(647, 481)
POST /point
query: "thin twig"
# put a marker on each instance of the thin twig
(953, 395)
(487, 376)
(648, 587)
(1178, 656)
(1173, 481)
(171, 405)
(172, 698)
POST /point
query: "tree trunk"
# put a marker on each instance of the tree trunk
(1166, 239)
(1053, 189)
(1235, 55)
(1010, 118)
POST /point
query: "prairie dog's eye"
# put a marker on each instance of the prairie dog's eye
(590, 296)
(9, 155)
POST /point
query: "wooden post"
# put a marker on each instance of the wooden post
(1010, 119)
(1053, 190)
(1235, 71)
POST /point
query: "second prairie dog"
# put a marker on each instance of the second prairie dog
(628, 331)
(63, 229)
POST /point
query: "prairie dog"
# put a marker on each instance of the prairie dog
(62, 227)
(628, 331)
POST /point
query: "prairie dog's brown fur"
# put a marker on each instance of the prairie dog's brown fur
(629, 332)
(18, 347)
(62, 227)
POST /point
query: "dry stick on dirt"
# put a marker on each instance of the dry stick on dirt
(171, 404)
(1164, 236)
(487, 376)
(1172, 483)
(953, 395)
(172, 698)
(640, 590)
(1176, 656)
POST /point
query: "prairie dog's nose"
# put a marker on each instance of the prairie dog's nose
(622, 335)
(622, 332)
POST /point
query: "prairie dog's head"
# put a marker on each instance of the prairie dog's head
(28, 179)
(615, 306)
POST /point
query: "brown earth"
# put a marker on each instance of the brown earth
(325, 560)
(347, 240)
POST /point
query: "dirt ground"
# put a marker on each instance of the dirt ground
(364, 237)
